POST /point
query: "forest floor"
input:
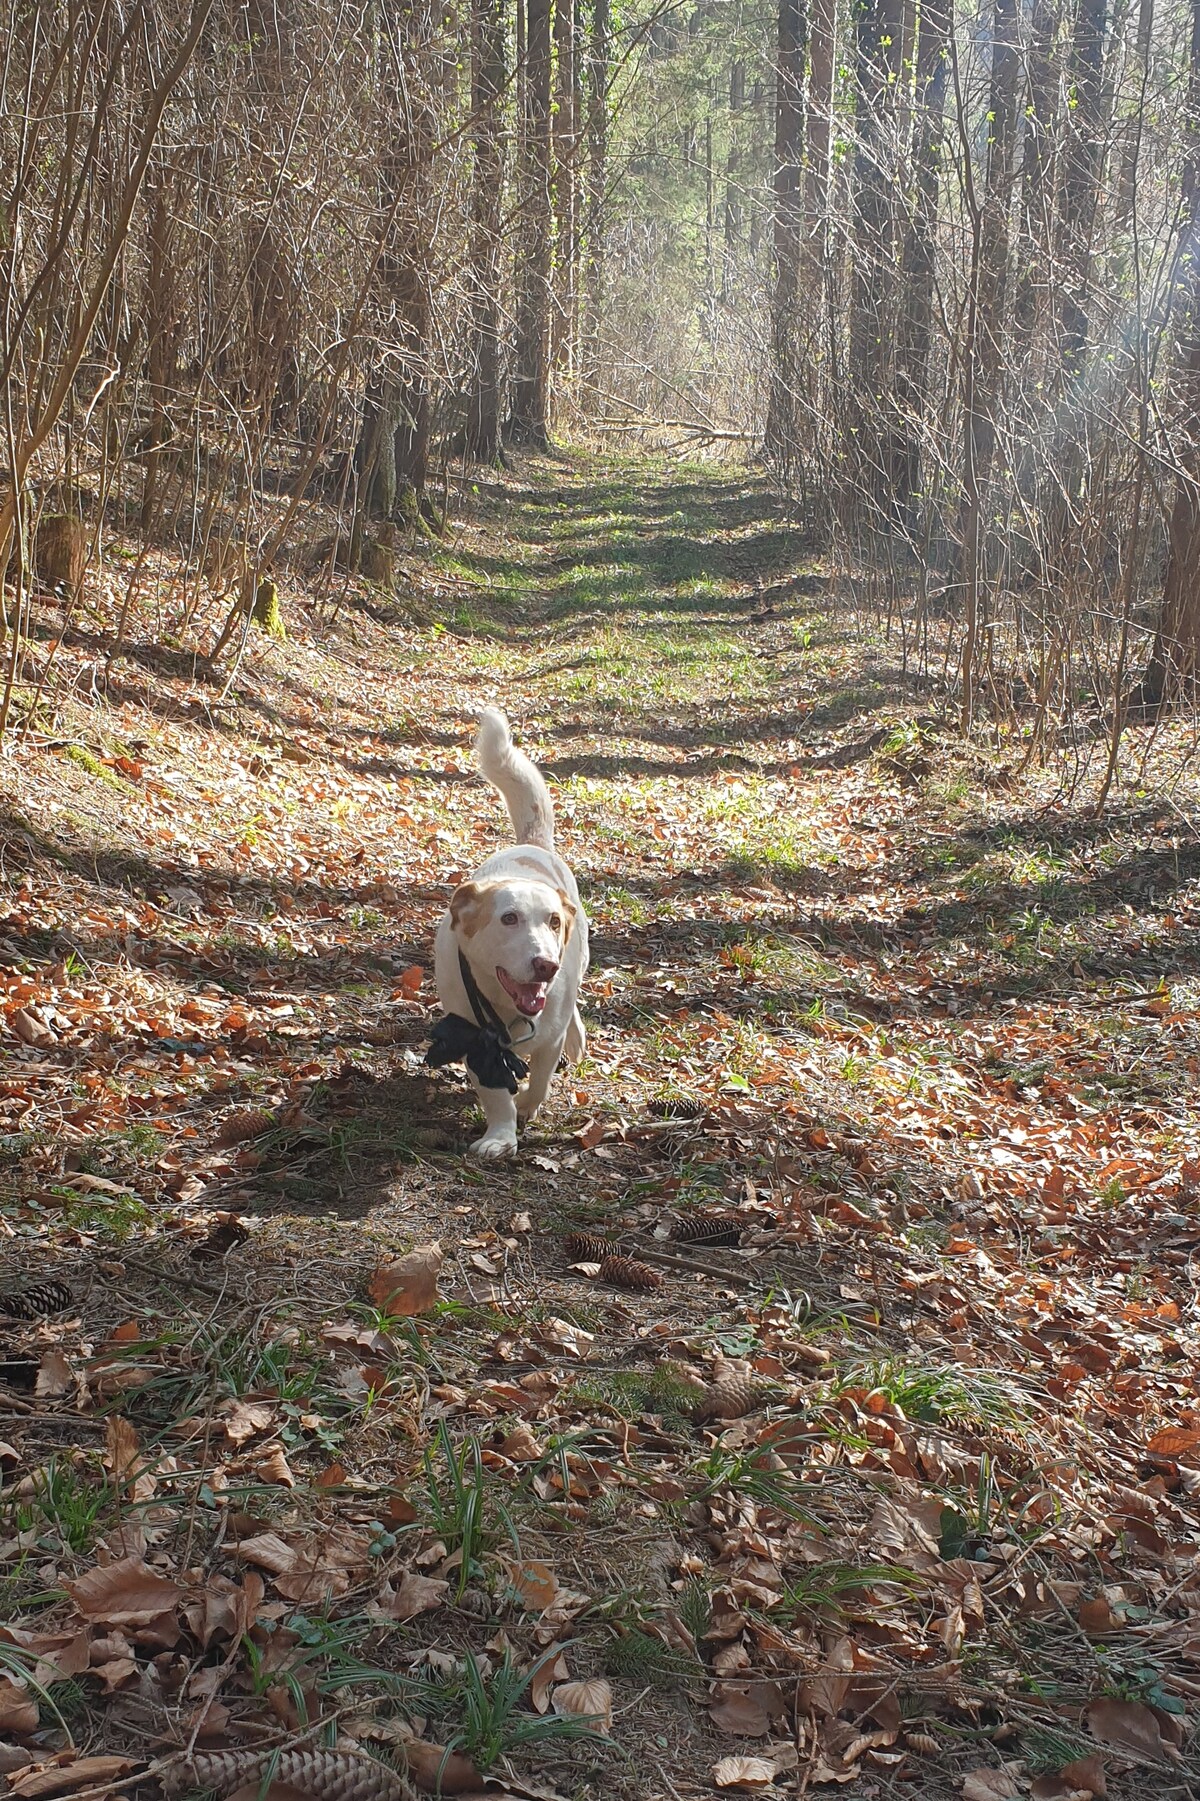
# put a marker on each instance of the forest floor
(886, 1479)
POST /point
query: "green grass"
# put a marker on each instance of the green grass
(935, 1392)
(69, 1503)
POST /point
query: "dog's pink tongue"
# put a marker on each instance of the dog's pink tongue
(529, 996)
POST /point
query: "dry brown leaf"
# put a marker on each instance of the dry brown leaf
(241, 1420)
(550, 1668)
(30, 1029)
(438, 1771)
(536, 1584)
(54, 1378)
(122, 1455)
(1172, 1441)
(589, 1700)
(743, 1773)
(1097, 1615)
(743, 1708)
(415, 1594)
(18, 1709)
(406, 1286)
(521, 1446)
(269, 1552)
(1087, 1773)
(64, 1779)
(989, 1785)
(126, 1593)
(1130, 1725)
(116, 1673)
(274, 1468)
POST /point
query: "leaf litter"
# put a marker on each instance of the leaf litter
(813, 1404)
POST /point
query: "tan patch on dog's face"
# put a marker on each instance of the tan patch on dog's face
(471, 906)
(570, 913)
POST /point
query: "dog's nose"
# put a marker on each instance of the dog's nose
(544, 968)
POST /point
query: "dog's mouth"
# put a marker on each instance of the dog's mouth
(528, 997)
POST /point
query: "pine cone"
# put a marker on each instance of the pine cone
(627, 1272)
(31, 1303)
(325, 1775)
(588, 1247)
(226, 1231)
(711, 1228)
(247, 1122)
(728, 1399)
(684, 1106)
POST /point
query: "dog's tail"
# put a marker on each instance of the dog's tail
(508, 769)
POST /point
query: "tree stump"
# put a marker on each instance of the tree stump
(265, 610)
(60, 552)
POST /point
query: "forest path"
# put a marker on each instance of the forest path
(891, 1079)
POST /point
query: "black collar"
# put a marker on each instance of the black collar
(485, 1047)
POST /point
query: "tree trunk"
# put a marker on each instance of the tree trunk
(392, 455)
(818, 128)
(733, 191)
(566, 185)
(789, 227)
(597, 179)
(1082, 168)
(987, 289)
(162, 335)
(529, 419)
(1174, 665)
(875, 453)
(916, 312)
(1035, 232)
(487, 86)
(994, 234)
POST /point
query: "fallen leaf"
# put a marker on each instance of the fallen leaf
(536, 1584)
(743, 1772)
(126, 1593)
(1097, 1615)
(30, 1029)
(589, 1700)
(54, 1378)
(1173, 1440)
(241, 1420)
(18, 1709)
(415, 1594)
(269, 1552)
(1087, 1773)
(740, 1708)
(274, 1468)
(122, 1455)
(1129, 1725)
(64, 1779)
(406, 1286)
(989, 1785)
(439, 1771)
(550, 1668)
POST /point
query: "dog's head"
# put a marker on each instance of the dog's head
(516, 930)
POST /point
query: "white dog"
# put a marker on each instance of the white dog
(510, 954)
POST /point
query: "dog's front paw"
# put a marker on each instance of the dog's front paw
(493, 1147)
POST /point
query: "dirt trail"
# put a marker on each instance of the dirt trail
(883, 1475)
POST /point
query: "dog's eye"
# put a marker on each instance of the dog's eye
(510, 919)
(555, 922)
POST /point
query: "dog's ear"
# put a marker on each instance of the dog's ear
(570, 914)
(467, 906)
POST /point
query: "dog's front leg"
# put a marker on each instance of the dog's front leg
(500, 1112)
(542, 1064)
